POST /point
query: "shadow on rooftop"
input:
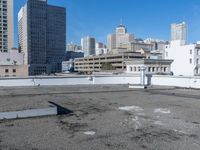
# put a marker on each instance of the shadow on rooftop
(62, 110)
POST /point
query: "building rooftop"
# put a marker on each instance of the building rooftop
(104, 117)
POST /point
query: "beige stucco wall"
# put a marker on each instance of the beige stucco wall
(21, 71)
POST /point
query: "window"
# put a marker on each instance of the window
(14, 70)
(190, 60)
(135, 69)
(190, 51)
(165, 69)
(197, 61)
(131, 69)
(198, 52)
(149, 69)
(196, 71)
(166, 54)
(153, 69)
(6, 71)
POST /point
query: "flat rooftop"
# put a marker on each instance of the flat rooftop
(107, 117)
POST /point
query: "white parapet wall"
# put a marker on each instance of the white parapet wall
(179, 81)
(161, 80)
(28, 113)
(72, 80)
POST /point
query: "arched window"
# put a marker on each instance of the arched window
(149, 69)
(153, 69)
(165, 69)
(131, 69)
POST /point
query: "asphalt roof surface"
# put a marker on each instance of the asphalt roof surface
(109, 117)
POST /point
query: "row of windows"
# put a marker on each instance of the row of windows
(150, 69)
(197, 61)
(4, 2)
(4, 20)
(13, 70)
(198, 51)
(3, 6)
(4, 9)
(4, 17)
(3, 28)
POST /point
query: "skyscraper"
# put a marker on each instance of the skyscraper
(6, 25)
(88, 46)
(42, 36)
(120, 39)
(56, 37)
(179, 32)
(111, 41)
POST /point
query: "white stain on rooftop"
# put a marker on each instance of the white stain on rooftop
(162, 111)
(131, 108)
(159, 123)
(89, 133)
(136, 123)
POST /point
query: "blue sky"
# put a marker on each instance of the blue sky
(143, 18)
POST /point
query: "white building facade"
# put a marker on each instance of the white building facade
(152, 66)
(186, 58)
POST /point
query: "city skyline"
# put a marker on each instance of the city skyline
(140, 17)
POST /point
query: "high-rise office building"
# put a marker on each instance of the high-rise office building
(179, 32)
(6, 25)
(56, 37)
(88, 46)
(120, 39)
(42, 36)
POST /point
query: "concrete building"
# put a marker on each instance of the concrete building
(135, 45)
(13, 71)
(68, 66)
(158, 46)
(12, 64)
(186, 58)
(102, 51)
(114, 62)
(119, 39)
(179, 32)
(88, 46)
(152, 66)
(42, 36)
(111, 41)
(12, 57)
(7, 25)
(99, 45)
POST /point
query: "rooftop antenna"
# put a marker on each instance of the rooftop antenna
(121, 21)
